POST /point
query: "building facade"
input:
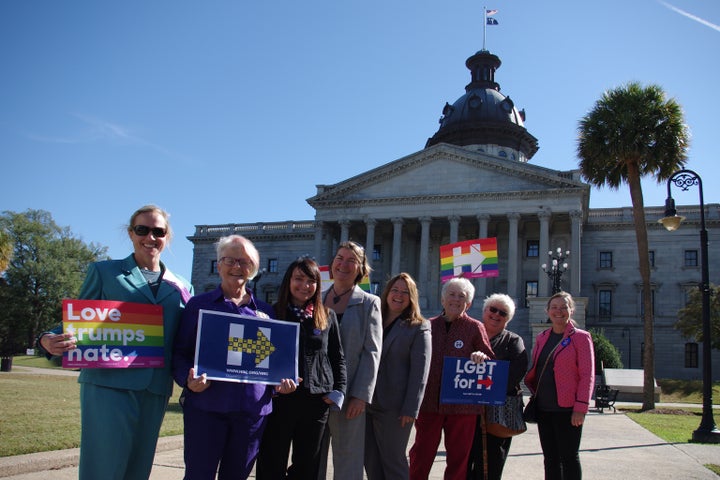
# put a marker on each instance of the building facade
(473, 180)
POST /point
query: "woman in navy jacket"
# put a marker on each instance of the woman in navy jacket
(300, 417)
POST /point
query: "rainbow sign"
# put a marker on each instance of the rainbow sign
(114, 334)
(469, 259)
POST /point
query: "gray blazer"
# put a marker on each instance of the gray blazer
(361, 336)
(404, 367)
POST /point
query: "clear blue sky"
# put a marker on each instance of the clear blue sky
(232, 111)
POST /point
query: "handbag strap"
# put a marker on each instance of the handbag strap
(547, 360)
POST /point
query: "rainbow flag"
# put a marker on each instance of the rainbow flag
(469, 259)
(114, 334)
(327, 281)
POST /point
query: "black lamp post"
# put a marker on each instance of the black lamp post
(707, 432)
(556, 268)
(256, 279)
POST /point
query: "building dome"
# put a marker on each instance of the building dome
(484, 117)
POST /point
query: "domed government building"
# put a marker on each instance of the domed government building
(473, 180)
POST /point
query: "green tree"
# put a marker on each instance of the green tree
(690, 316)
(47, 265)
(634, 131)
(606, 354)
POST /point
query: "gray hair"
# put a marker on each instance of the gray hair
(246, 245)
(465, 286)
(505, 300)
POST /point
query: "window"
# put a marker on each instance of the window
(270, 297)
(691, 258)
(651, 254)
(605, 260)
(531, 290)
(533, 248)
(691, 355)
(605, 303)
(213, 266)
(377, 252)
(374, 288)
(272, 265)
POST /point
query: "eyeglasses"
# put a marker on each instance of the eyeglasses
(240, 262)
(143, 230)
(502, 313)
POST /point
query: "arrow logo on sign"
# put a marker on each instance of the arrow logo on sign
(485, 381)
(261, 348)
(474, 258)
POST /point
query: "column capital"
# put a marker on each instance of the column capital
(576, 214)
(425, 219)
(397, 220)
(544, 214)
(344, 222)
(483, 217)
(369, 221)
(513, 216)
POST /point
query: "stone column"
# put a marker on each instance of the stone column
(575, 253)
(370, 238)
(481, 283)
(319, 230)
(512, 286)
(397, 245)
(543, 250)
(344, 230)
(454, 227)
(424, 260)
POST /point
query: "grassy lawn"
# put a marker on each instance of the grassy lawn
(42, 412)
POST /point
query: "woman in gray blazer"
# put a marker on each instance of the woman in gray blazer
(358, 314)
(404, 367)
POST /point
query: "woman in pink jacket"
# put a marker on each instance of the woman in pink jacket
(562, 379)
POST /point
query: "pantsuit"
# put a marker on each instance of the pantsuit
(231, 439)
(560, 443)
(386, 445)
(459, 430)
(298, 418)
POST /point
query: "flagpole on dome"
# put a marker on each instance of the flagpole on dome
(484, 25)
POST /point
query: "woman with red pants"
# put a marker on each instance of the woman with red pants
(454, 334)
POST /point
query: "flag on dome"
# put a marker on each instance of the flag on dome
(470, 259)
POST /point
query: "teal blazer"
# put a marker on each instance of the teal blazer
(121, 280)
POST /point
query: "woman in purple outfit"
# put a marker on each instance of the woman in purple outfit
(224, 421)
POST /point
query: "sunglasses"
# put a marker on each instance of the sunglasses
(502, 313)
(142, 230)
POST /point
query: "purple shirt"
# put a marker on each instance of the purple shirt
(223, 397)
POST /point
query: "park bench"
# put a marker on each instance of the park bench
(605, 398)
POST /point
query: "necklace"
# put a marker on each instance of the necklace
(336, 297)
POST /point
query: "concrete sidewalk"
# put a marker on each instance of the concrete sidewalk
(613, 447)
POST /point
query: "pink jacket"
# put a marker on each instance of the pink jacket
(574, 367)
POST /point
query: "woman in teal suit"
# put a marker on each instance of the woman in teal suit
(122, 409)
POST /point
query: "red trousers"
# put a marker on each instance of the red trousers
(429, 427)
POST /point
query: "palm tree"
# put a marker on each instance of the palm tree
(634, 131)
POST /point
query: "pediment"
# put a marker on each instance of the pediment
(445, 170)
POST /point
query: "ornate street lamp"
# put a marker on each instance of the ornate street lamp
(707, 432)
(556, 268)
